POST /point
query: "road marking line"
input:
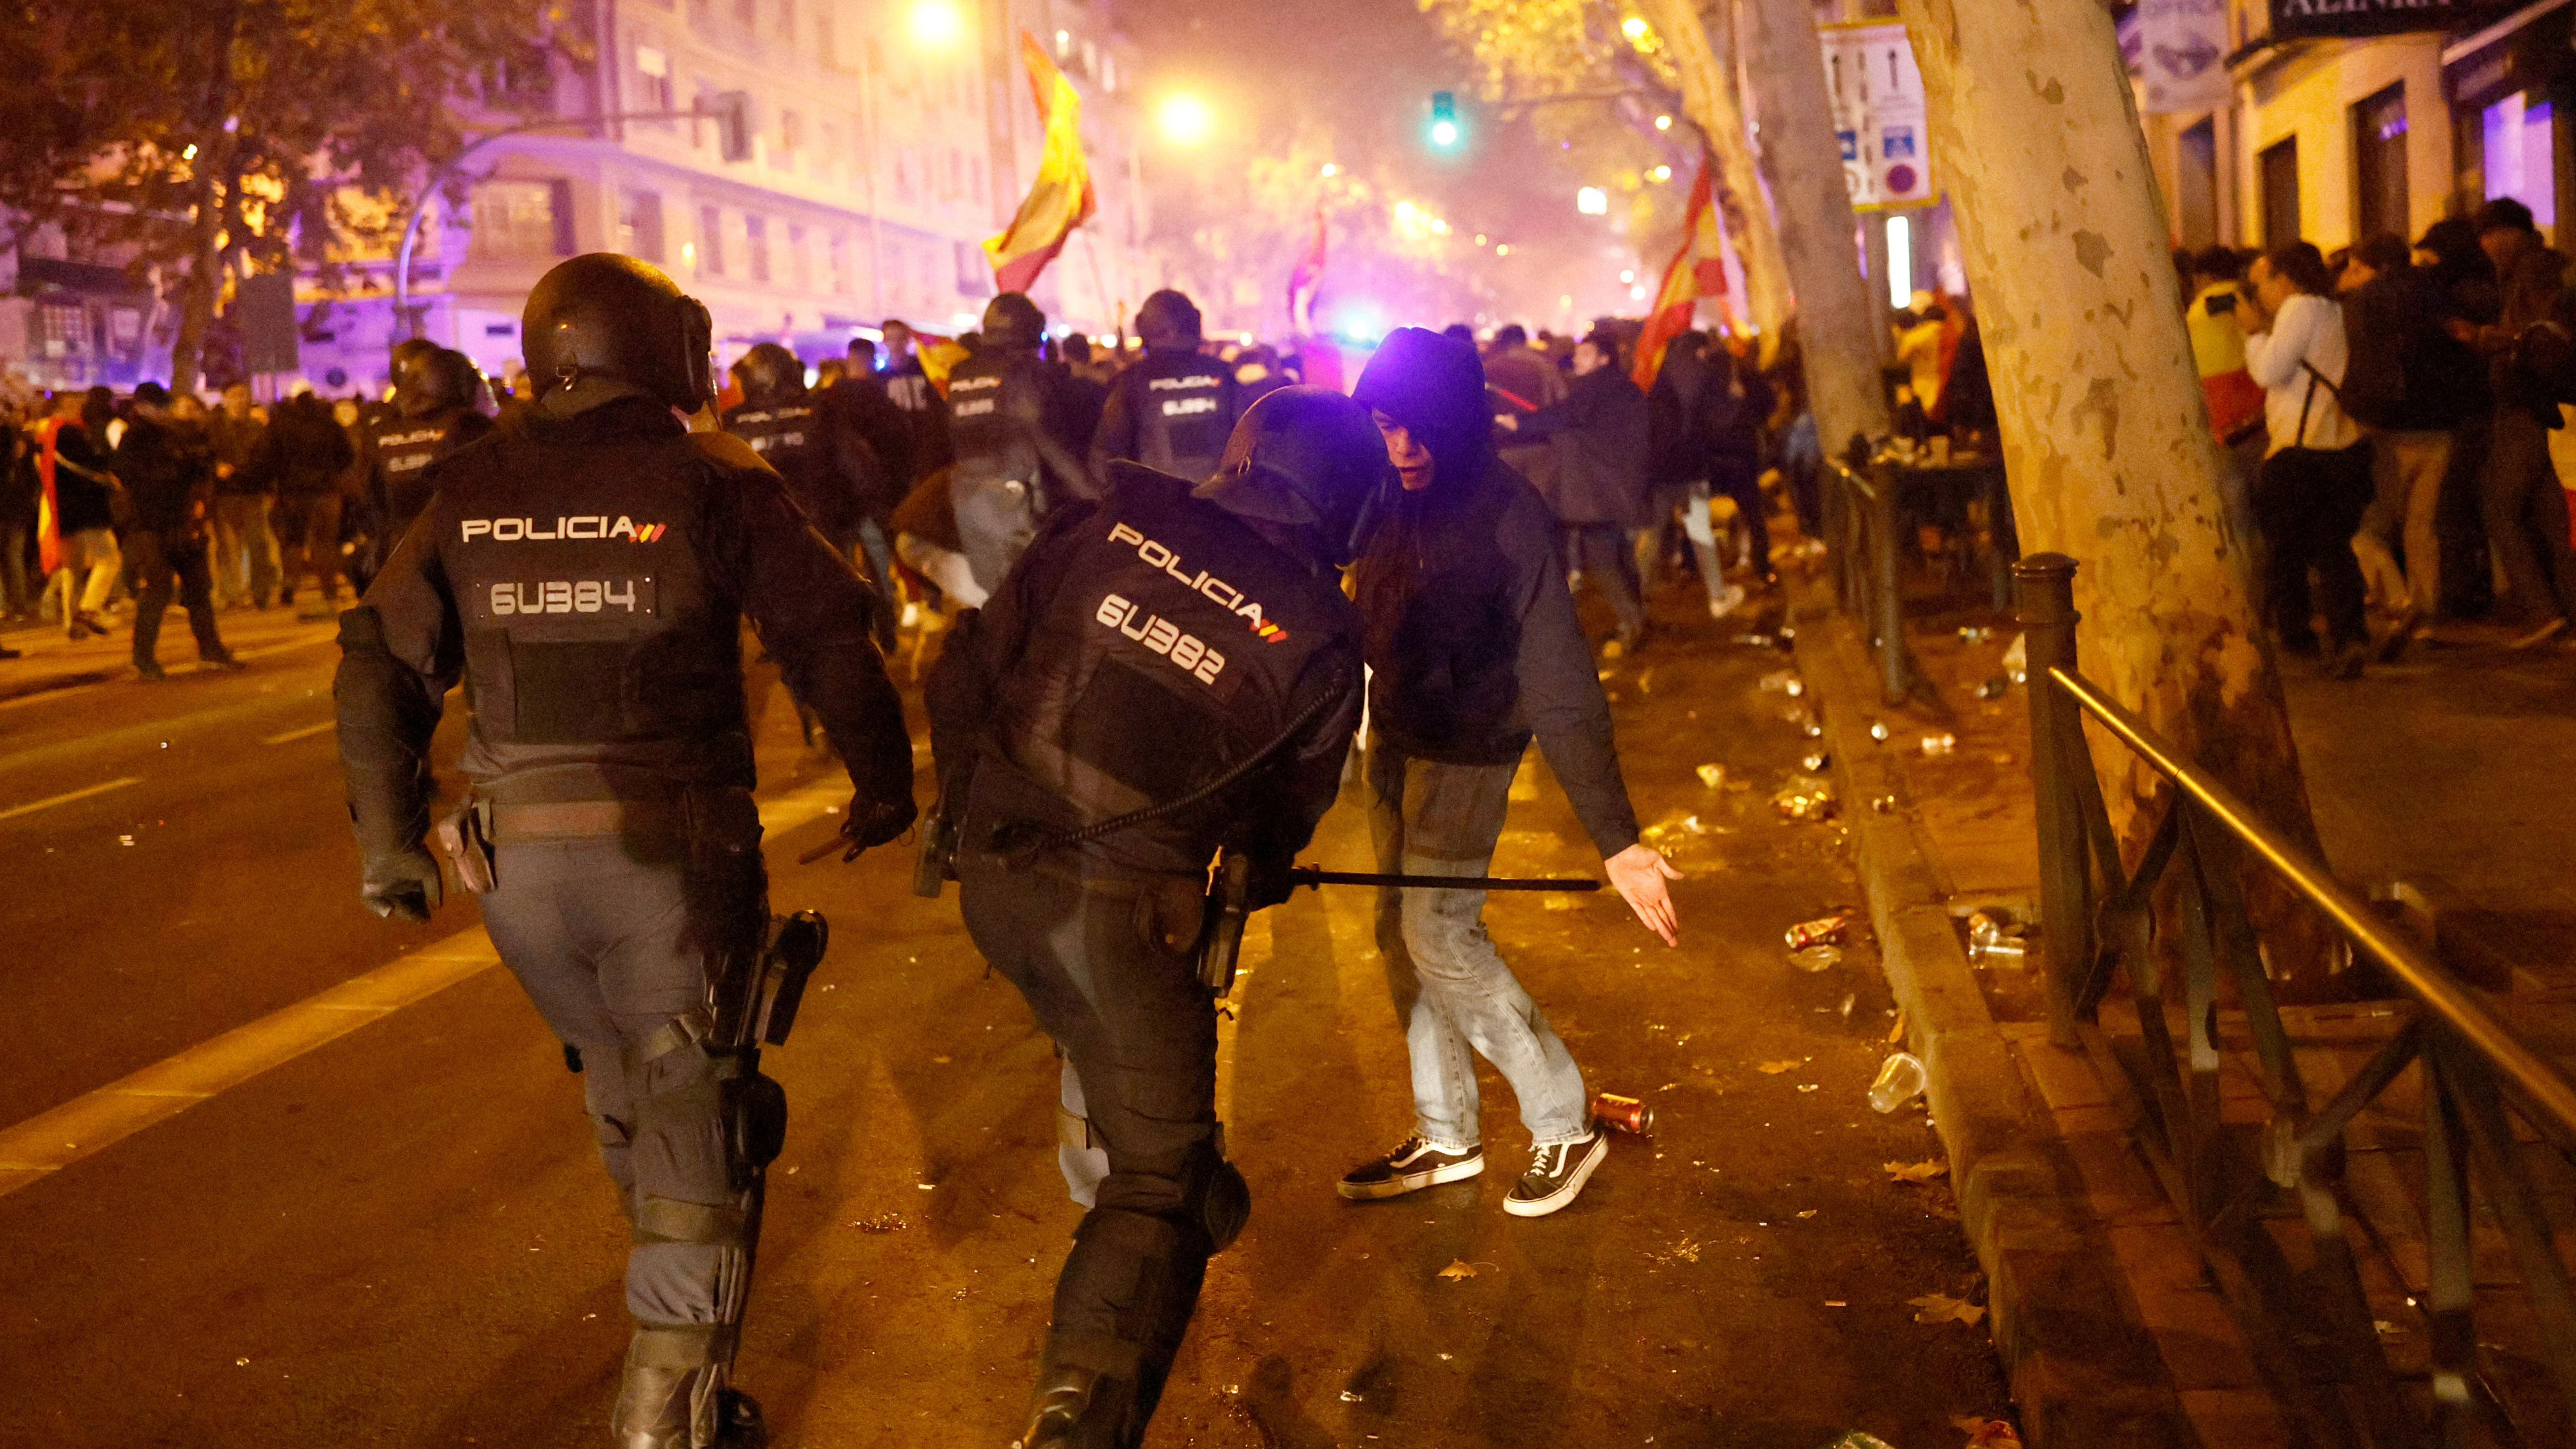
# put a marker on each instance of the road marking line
(32, 806)
(290, 736)
(99, 1119)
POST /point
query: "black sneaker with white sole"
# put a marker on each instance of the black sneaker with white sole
(1556, 1175)
(1409, 1168)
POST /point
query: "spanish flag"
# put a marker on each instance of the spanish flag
(1697, 270)
(1061, 198)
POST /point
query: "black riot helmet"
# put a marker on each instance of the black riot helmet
(1168, 319)
(1012, 320)
(607, 316)
(430, 379)
(1308, 458)
(770, 375)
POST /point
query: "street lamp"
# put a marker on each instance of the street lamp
(1592, 201)
(1185, 120)
(937, 23)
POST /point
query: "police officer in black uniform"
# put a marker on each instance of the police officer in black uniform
(1174, 410)
(434, 414)
(829, 467)
(1164, 674)
(1005, 416)
(585, 571)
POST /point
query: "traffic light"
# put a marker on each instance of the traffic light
(1444, 120)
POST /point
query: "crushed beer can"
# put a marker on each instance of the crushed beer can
(1623, 1114)
(1994, 935)
(1822, 931)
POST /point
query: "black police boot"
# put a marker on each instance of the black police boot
(1063, 1398)
(739, 1424)
(653, 1407)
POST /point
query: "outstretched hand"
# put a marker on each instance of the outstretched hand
(1638, 874)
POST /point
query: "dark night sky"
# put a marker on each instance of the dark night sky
(1371, 66)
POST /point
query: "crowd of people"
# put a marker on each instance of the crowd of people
(2391, 415)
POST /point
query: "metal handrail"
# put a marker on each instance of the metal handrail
(2456, 1003)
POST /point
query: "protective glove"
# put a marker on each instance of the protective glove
(402, 884)
(874, 822)
(1271, 882)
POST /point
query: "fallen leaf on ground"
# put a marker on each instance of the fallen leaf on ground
(1942, 1308)
(1458, 1268)
(1776, 1068)
(1923, 1171)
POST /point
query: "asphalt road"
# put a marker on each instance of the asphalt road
(401, 1236)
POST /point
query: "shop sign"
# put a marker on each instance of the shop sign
(1879, 115)
(2304, 19)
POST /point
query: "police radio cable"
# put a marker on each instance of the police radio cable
(1024, 853)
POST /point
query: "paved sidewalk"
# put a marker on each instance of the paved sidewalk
(2443, 771)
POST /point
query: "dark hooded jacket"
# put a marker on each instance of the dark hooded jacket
(1471, 636)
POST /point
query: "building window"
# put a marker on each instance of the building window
(2277, 173)
(523, 219)
(755, 232)
(791, 137)
(974, 273)
(639, 225)
(956, 173)
(840, 264)
(711, 258)
(2379, 165)
(975, 175)
(800, 260)
(653, 81)
(2520, 157)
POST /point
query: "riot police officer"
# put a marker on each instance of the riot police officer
(1164, 674)
(586, 571)
(435, 392)
(1005, 424)
(829, 469)
(1174, 410)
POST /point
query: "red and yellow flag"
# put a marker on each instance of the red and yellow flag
(1697, 270)
(1061, 198)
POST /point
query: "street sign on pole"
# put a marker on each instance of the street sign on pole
(264, 311)
(1879, 116)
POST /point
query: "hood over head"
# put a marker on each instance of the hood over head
(1435, 387)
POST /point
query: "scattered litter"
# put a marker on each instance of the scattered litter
(940, 1061)
(1458, 1268)
(1993, 688)
(1900, 1080)
(1816, 761)
(125, 840)
(1990, 1434)
(1940, 744)
(1782, 681)
(1942, 1308)
(1562, 902)
(1838, 1303)
(1896, 1029)
(1993, 934)
(241, 1363)
(1924, 1171)
(1858, 1440)
(1975, 633)
(1624, 1114)
(2387, 1329)
(1347, 1396)
(1757, 641)
(1816, 958)
(1883, 804)
(1850, 1000)
(1712, 776)
(1773, 1069)
(1820, 931)
(1878, 730)
(1806, 1087)
(2017, 659)
(1685, 1251)
(882, 1223)
(1805, 798)
(1802, 1217)
(1811, 729)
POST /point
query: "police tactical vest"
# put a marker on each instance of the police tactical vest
(1180, 403)
(592, 631)
(1170, 652)
(792, 438)
(404, 448)
(983, 394)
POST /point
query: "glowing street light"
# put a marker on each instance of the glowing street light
(1592, 201)
(1439, 227)
(1663, 123)
(1502, 249)
(1331, 171)
(1633, 28)
(937, 23)
(1627, 276)
(1185, 120)
(1662, 173)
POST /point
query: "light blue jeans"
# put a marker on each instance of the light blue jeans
(1452, 990)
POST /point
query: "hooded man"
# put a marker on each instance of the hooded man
(1474, 650)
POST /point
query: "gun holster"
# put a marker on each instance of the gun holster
(787, 961)
(1229, 907)
(465, 838)
(937, 862)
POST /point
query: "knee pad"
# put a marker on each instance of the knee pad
(755, 1120)
(1225, 1206)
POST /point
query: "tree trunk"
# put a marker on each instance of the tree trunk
(2105, 432)
(1708, 98)
(199, 288)
(1842, 345)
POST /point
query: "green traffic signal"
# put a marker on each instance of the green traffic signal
(1444, 120)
